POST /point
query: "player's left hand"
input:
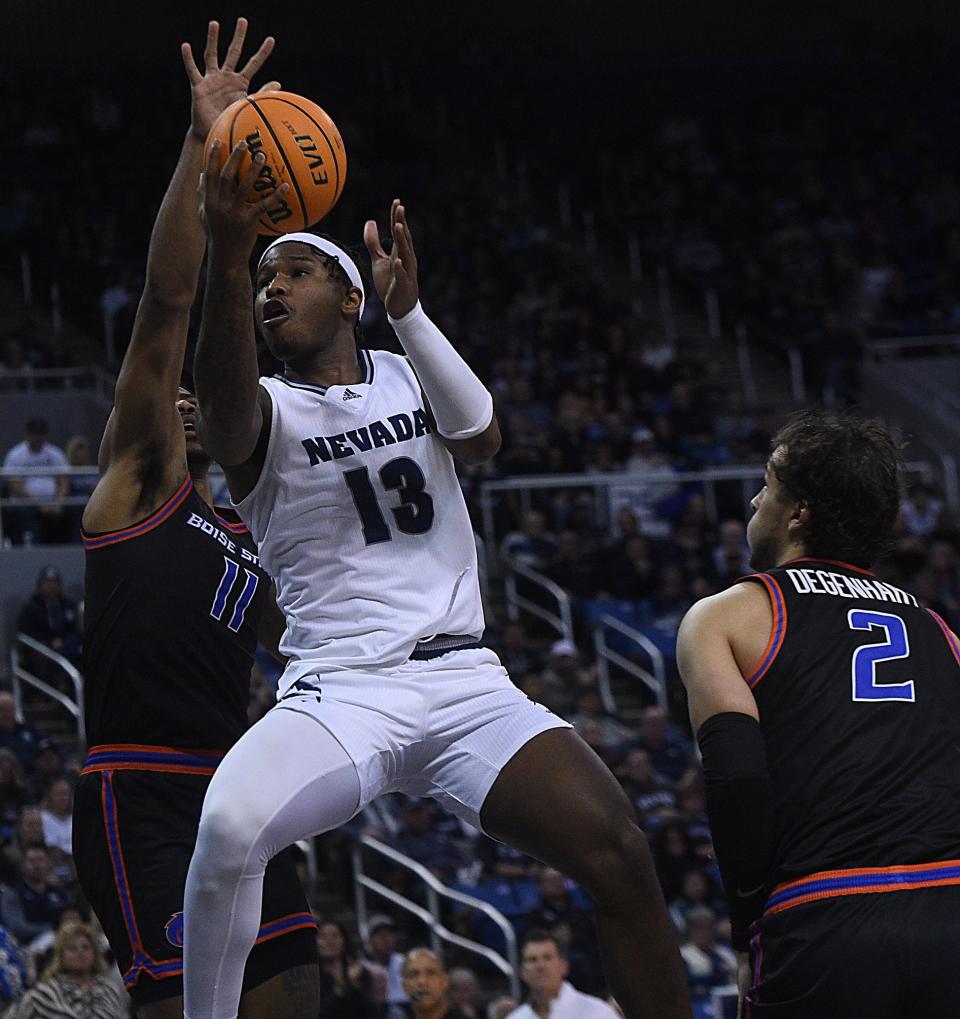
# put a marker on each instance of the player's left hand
(214, 90)
(394, 275)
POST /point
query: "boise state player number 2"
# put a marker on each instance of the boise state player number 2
(223, 593)
(867, 657)
(414, 515)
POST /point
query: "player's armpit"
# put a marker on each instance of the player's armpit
(706, 659)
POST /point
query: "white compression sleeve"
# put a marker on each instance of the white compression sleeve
(461, 404)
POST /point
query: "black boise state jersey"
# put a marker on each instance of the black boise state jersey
(171, 609)
(859, 700)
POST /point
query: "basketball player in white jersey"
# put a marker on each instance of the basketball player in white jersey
(343, 469)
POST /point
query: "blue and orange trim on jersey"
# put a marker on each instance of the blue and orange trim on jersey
(777, 633)
(91, 542)
(137, 757)
(829, 884)
(142, 962)
(949, 634)
(238, 527)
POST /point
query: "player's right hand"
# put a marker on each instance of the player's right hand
(214, 90)
(228, 217)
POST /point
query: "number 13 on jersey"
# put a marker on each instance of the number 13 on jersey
(867, 657)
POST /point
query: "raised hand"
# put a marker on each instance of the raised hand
(228, 217)
(394, 275)
(214, 90)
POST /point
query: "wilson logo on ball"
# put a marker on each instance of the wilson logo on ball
(301, 146)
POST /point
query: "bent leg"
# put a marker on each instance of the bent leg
(555, 800)
(286, 779)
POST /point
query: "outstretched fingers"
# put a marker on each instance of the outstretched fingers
(371, 238)
(189, 64)
(236, 45)
(258, 59)
(210, 58)
(402, 238)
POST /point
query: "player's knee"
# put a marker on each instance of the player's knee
(617, 857)
(224, 837)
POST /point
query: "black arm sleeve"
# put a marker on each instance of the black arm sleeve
(742, 820)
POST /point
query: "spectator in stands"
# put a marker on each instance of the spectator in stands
(346, 990)
(731, 557)
(48, 765)
(419, 838)
(382, 952)
(697, 890)
(51, 618)
(44, 521)
(79, 454)
(75, 985)
(517, 653)
(501, 1007)
(673, 595)
(572, 926)
(13, 972)
(29, 832)
(19, 737)
(13, 794)
(464, 993)
(564, 676)
(531, 543)
(425, 982)
(630, 574)
(30, 906)
(692, 802)
(543, 968)
(649, 792)
(669, 752)
(674, 855)
(589, 712)
(500, 862)
(708, 964)
(574, 567)
(57, 815)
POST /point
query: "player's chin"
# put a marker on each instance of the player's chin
(197, 456)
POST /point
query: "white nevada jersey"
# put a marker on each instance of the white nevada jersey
(361, 523)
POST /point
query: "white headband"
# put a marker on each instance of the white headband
(328, 248)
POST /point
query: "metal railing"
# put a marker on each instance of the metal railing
(430, 914)
(561, 620)
(28, 380)
(20, 675)
(655, 680)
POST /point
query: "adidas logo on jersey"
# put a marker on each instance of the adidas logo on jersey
(349, 394)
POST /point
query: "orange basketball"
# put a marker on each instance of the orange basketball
(302, 146)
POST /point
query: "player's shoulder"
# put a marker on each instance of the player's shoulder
(740, 606)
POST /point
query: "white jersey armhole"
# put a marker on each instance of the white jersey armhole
(260, 484)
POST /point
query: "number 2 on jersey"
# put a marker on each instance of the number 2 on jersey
(868, 656)
(414, 515)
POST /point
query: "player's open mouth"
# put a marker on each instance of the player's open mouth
(275, 312)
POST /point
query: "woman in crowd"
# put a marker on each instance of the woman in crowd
(74, 985)
(346, 990)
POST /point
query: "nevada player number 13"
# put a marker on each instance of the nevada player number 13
(414, 515)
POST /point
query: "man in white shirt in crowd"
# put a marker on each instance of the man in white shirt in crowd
(45, 520)
(543, 969)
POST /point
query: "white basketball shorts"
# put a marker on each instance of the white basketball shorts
(443, 728)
